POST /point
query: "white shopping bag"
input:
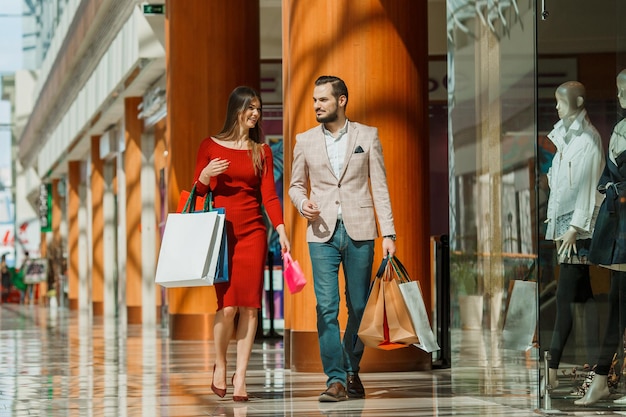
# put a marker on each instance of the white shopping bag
(189, 249)
(414, 301)
(520, 325)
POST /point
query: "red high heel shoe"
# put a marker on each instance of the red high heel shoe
(238, 398)
(220, 392)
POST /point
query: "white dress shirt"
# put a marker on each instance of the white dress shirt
(336, 149)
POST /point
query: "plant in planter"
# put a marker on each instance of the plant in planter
(464, 275)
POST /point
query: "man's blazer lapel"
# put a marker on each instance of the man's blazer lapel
(318, 150)
(353, 133)
(321, 141)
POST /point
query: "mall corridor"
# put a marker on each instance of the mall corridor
(54, 363)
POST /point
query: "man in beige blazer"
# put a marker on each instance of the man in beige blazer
(339, 184)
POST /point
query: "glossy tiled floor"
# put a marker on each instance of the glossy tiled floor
(59, 363)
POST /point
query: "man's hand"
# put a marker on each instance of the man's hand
(389, 247)
(568, 242)
(310, 210)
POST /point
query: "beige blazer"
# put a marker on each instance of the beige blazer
(361, 188)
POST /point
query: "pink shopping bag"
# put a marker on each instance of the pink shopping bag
(294, 277)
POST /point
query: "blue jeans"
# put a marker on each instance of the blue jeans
(356, 258)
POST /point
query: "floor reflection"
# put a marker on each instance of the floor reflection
(57, 363)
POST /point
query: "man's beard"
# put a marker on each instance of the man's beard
(330, 117)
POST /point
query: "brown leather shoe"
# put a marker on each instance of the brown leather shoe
(355, 386)
(335, 392)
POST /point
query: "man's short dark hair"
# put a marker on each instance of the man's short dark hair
(339, 87)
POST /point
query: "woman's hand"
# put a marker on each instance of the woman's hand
(285, 246)
(214, 168)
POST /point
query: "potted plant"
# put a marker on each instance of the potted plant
(464, 275)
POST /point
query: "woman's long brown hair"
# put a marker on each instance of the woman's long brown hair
(238, 102)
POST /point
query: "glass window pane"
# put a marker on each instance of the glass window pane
(491, 67)
(579, 56)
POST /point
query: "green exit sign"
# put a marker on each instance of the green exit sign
(153, 8)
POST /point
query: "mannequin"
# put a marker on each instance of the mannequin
(572, 210)
(608, 249)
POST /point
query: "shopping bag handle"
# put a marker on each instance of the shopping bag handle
(381, 268)
(401, 271)
(379, 275)
(287, 258)
(190, 203)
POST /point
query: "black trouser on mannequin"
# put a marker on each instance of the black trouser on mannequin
(574, 286)
(615, 325)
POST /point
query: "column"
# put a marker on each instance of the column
(73, 203)
(380, 50)
(148, 232)
(160, 202)
(132, 169)
(57, 237)
(85, 306)
(97, 227)
(109, 247)
(211, 47)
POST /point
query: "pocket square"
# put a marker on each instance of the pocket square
(358, 149)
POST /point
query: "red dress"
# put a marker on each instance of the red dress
(240, 191)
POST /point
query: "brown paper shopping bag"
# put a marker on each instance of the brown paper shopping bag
(412, 296)
(401, 331)
(371, 330)
(386, 322)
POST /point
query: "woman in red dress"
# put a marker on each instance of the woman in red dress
(237, 167)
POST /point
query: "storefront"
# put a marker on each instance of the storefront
(505, 63)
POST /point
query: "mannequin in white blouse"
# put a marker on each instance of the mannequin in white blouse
(572, 209)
